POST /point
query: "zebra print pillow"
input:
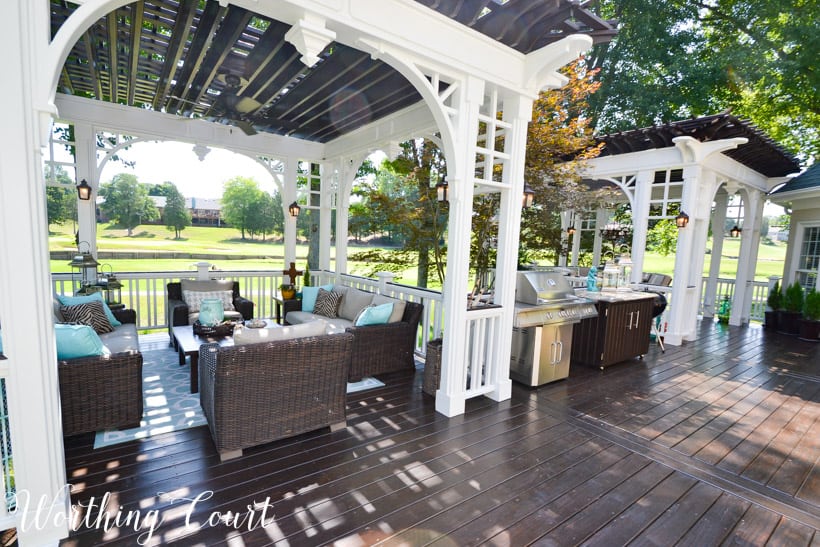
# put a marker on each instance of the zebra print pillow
(90, 313)
(327, 303)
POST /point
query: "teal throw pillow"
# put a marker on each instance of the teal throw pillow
(74, 300)
(75, 341)
(374, 315)
(309, 295)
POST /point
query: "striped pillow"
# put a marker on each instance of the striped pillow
(90, 313)
(327, 303)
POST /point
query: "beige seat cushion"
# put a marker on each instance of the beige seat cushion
(255, 336)
(124, 338)
(334, 325)
(354, 301)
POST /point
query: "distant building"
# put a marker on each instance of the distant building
(204, 211)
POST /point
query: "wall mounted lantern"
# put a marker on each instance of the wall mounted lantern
(442, 194)
(84, 190)
(528, 197)
(294, 209)
(682, 220)
(735, 232)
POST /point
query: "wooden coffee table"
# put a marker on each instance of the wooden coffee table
(188, 345)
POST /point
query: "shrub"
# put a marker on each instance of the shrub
(775, 299)
(793, 299)
(811, 307)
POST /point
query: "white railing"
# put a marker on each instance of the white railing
(146, 294)
(480, 349)
(726, 288)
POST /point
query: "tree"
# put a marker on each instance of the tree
(177, 217)
(673, 59)
(663, 237)
(240, 202)
(262, 213)
(61, 201)
(127, 202)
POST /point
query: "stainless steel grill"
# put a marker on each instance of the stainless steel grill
(545, 311)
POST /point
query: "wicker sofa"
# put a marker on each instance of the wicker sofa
(258, 393)
(104, 392)
(377, 349)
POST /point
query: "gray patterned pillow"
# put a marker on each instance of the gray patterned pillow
(90, 313)
(327, 303)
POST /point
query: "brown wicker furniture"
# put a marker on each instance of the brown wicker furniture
(258, 393)
(188, 343)
(104, 392)
(177, 309)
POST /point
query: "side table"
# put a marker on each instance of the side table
(282, 306)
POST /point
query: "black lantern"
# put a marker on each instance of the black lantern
(294, 209)
(682, 220)
(441, 191)
(83, 271)
(84, 190)
(528, 197)
(735, 232)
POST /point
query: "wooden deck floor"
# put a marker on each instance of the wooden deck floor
(714, 442)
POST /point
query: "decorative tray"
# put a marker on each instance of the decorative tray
(223, 329)
(256, 324)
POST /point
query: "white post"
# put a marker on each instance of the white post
(384, 278)
(749, 244)
(85, 142)
(203, 270)
(450, 399)
(288, 197)
(601, 216)
(578, 223)
(325, 209)
(718, 223)
(640, 221)
(347, 169)
(32, 384)
(566, 220)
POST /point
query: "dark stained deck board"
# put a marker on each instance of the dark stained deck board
(740, 402)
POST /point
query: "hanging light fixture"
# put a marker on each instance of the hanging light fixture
(294, 209)
(571, 230)
(735, 232)
(442, 194)
(84, 190)
(529, 196)
(682, 220)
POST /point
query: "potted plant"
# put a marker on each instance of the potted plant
(288, 291)
(775, 304)
(787, 321)
(810, 324)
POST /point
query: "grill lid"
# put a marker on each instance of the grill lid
(542, 286)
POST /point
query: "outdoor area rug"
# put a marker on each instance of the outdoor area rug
(169, 403)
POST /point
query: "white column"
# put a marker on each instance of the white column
(326, 182)
(85, 143)
(640, 221)
(566, 220)
(718, 222)
(25, 284)
(601, 216)
(288, 197)
(576, 237)
(518, 112)
(347, 174)
(749, 245)
(449, 398)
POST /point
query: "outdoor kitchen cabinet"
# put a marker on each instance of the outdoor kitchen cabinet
(620, 332)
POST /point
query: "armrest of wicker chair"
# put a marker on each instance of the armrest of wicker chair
(243, 306)
(101, 392)
(125, 316)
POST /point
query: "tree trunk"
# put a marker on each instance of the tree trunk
(424, 265)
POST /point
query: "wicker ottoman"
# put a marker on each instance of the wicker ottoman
(432, 367)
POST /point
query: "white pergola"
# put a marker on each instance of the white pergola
(466, 81)
(696, 172)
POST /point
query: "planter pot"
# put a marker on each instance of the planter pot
(788, 322)
(771, 320)
(809, 330)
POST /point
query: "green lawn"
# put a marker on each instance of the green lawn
(268, 255)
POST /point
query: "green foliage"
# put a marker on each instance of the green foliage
(381, 260)
(127, 202)
(775, 298)
(811, 307)
(176, 215)
(673, 59)
(663, 237)
(250, 209)
(793, 299)
(61, 204)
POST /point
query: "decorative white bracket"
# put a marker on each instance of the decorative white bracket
(310, 36)
(545, 62)
(694, 151)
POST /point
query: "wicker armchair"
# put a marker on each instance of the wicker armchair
(258, 393)
(378, 349)
(102, 392)
(177, 309)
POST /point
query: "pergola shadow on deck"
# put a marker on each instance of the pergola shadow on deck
(714, 441)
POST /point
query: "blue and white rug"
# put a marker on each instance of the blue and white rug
(169, 404)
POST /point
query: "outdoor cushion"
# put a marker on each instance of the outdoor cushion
(194, 299)
(309, 295)
(334, 325)
(375, 315)
(124, 338)
(90, 313)
(398, 306)
(254, 336)
(75, 341)
(73, 300)
(354, 301)
(327, 303)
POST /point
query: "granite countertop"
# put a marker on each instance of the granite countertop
(615, 296)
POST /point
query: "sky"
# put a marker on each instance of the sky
(157, 162)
